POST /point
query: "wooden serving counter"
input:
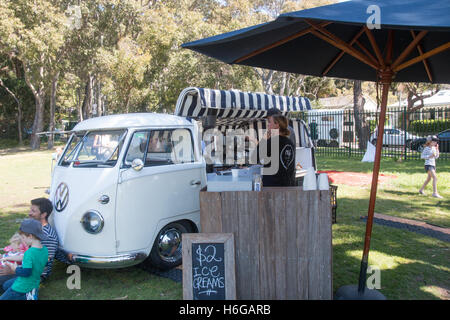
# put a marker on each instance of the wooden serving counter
(282, 240)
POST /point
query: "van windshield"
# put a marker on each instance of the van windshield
(94, 149)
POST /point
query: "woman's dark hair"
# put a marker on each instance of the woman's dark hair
(283, 123)
(44, 205)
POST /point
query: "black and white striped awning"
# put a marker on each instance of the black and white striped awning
(232, 104)
(236, 109)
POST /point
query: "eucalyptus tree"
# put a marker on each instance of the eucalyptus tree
(33, 32)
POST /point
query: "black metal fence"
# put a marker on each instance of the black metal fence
(334, 132)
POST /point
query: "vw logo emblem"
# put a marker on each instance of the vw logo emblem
(61, 197)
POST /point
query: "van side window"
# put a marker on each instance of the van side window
(169, 147)
(159, 148)
(183, 150)
(137, 146)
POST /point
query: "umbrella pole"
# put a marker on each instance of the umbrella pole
(386, 79)
(360, 292)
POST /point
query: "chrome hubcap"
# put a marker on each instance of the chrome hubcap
(169, 245)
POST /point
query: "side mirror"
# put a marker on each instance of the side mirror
(137, 164)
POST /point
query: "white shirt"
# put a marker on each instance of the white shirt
(426, 153)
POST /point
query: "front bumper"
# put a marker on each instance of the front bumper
(109, 262)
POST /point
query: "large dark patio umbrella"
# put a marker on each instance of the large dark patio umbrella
(339, 40)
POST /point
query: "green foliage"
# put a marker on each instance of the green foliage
(8, 107)
(426, 127)
(372, 125)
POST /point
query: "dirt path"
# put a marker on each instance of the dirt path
(412, 225)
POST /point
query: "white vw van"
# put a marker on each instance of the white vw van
(127, 186)
(113, 208)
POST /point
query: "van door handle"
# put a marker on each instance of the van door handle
(198, 182)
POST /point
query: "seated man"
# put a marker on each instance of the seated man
(40, 210)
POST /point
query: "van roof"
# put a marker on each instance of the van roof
(132, 120)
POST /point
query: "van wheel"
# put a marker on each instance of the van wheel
(166, 252)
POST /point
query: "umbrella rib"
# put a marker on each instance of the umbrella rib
(425, 63)
(409, 49)
(339, 56)
(278, 43)
(375, 46)
(424, 56)
(339, 43)
(367, 52)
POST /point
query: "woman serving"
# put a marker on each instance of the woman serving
(280, 171)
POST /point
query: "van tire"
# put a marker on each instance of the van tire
(160, 255)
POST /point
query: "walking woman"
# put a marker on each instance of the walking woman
(430, 153)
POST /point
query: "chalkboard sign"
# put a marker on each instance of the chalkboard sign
(208, 266)
(208, 271)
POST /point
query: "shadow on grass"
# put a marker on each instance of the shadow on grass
(420, 261)
(26, 149)
(408, 266)
(412, 210)
(445, 203)
(15, 151)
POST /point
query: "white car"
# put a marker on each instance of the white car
(393, 137)
(120, 198)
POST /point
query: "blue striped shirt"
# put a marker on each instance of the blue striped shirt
(52, 244)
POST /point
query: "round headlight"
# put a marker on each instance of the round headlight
(92, 221)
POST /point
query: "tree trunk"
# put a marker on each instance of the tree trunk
(361, 125)
(86, 107)
(51, 126)
(283, 83)
(266, 80)
(38, 123)
(19, 121)
(99, 99)
(79, 104)
(288, 84)
(127, 101)
(19, 71)
(39, 97)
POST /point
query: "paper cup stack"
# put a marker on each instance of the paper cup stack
(310, 182)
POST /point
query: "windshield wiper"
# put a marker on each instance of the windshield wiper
(78, 163)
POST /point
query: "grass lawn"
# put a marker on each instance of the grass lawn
(26, 175)
(413, 266)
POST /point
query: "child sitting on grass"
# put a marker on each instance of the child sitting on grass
(14, 251)
(34, 260)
